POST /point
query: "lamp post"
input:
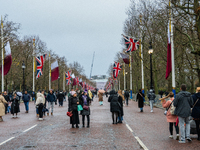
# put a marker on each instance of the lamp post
(23, 67)
(58, 82)
(151, 72)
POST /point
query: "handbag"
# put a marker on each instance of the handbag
(86, 107)
(79, 107)
(69, 114)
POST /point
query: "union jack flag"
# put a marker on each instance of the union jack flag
(40, 64)
(116, 69)
(131, 44)
(68, 77)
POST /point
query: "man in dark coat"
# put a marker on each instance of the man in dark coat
(7, 98)
(126, 95)
(114, 105)
(60, 98)
(183, 103)
(26, 98)
(140, 99)
(51, 98)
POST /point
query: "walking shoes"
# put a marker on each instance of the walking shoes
(177, 137)
(171, 136)
(181, 141)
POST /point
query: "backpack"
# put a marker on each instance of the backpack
(172, 108)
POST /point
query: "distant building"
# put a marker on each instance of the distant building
(100, 81)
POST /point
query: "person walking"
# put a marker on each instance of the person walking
(26, 98)
(114, 105)
(85, 102)
(151, 97)
(51, 98)
(126, 95)
(15, 105)
(121, 111)
(161, 93)
(170, 118)
(196, 110)
(33, 96)
(100, 95)
(2, 106)
(140, 99)
(183, 103)
(60, 98)
(40, 101)
(72, 107)
(7, 98)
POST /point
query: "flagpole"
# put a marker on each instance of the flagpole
(172, 50)
(130, 76)
(64, 81)
(49, 73)
(124, 78)
(141, 52)
(33, 65)
(2, 81)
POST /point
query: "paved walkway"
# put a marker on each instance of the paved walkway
(138, 131)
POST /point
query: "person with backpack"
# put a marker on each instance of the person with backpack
(196, 111)
(171, 118)
(183, 103)
(114, 106)
(151, 97)
(126, 95)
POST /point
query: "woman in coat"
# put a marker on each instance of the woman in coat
(40, 101)
(2, 106)
(73, 102)
(196, 110)
(114, 105)
(120, 100)
(140, 99)
(15, 105)
(100, 95)
(85, 101)
(170, 118)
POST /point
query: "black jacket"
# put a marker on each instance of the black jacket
(151, 95)
(114, 104)
(126, 94)
(140, 99)
(196, 109)
(72, 103)
(7, 98)
(183, 103)
(60, 96)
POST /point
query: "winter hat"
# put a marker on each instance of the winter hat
(73, 92)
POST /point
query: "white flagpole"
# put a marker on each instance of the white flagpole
(34, 65)
(124, 78)
(131, 76)
(64, 81)
(2, 81)
(142, 68)
(172, 51)
(49, 73)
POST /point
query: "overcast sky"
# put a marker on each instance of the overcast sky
(73, 28)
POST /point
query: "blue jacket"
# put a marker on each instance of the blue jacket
(26, 97)
(51, 97)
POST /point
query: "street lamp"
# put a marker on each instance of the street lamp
(150, 53)
(126, 79)
(23, 67)
(58, 82)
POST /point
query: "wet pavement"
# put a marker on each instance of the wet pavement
(55, 132)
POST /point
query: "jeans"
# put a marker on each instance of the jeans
(8, 109)
(50, 104)
(61, 103)
(126, 100)
(37, 111)
(171, 128)
(185, 130)
(26, 105)
(151, 104)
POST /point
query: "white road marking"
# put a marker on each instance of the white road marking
(137, 138)
(30, 128)
(7, 140)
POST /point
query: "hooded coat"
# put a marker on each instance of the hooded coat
(2, 106)
(183, 103)
(196, 109)
(15, 105)
(140, 99)
(73, 107)
(114, 104)
(151, 95)
(40, 99)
